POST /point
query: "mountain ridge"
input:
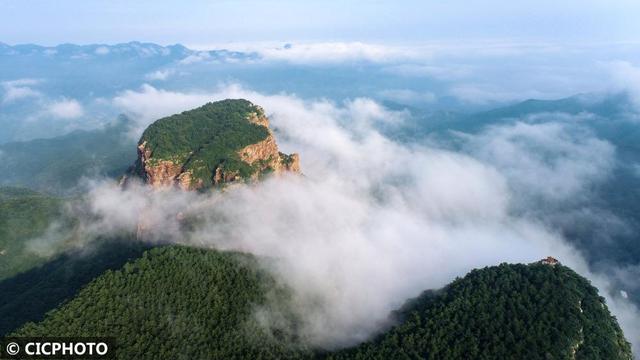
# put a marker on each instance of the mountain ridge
(533, 311)
(132, 48)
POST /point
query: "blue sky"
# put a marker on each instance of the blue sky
(204, 22)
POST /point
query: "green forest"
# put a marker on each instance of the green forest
(516, 311)
(58, 165)
(24, 215)
(186, 303)
(205, 138)
(179, 303)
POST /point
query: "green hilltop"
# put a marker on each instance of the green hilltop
(510, 311)
(202, 139)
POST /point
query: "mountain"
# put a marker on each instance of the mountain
(161, 303)
(512, 311)
(180, 302)
(24, 214)
(219, 143)
(30, 294)
(130, 50)
(612, 118)
(612, 112)
(58, 164)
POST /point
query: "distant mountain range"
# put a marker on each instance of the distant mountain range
(132, 49)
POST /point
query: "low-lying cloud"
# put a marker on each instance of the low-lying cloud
(149, 103)
(160, 75)
(568, 157)
(372, 222)
(15, 90)
(471, 72)
(557, 169)
(337, 52)
(65, 109)
(626, 77)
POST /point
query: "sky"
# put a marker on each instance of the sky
(200, 22)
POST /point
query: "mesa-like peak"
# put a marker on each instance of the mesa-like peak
(220, 143)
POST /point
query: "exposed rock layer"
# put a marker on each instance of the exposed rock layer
(263, 158)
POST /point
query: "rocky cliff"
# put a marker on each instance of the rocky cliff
(214, 145)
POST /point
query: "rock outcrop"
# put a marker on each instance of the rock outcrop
(204, 150)
(157, 173)
(265, 153)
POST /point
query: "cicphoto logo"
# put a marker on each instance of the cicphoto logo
(58, 348)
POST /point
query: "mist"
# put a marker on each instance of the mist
(371, 222)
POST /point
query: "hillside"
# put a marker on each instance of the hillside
(516, 311)
(56, 165)
(24, 214)
(216, 144)
(30, 294)
(179, 302)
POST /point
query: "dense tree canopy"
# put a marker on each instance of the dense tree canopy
(29, 295)
(57, 165)
(204, 138)
(505, 312)
(179, 302)
(24, 215)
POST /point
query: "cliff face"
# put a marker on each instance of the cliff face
(265, 154)
(162, 172)
(217, 144)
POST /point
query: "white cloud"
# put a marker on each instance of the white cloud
(50, 52)
(471, 71)
(334, 52)
(102, 50)
(65, 109)
(21, 82)
(15, 90)
(21, 92)
(373, 222)
(196, 58)
(626, 76)
(149, 103)
(160, 75)
(413, 53)
(553, 161)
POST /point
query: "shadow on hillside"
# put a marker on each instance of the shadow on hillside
(30, 295)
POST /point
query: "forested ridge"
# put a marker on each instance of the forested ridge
(29, 295)
(180, 302)
(24, 215)
(58, 165)
(511, 311)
